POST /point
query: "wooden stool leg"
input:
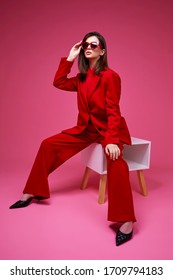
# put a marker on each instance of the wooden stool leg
(102, 188)
(85, 178)
(142, 182)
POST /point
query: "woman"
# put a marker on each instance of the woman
(99, 120)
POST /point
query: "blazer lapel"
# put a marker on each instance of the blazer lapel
(93, 85)
(88, 89)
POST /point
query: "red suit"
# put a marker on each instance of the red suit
(99, 120)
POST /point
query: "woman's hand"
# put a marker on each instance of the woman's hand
(113, 151)
(74, 52)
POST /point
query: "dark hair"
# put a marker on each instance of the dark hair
(83, 63)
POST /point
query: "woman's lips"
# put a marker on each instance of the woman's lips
(88, 52)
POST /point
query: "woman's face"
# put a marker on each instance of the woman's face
(93, 53)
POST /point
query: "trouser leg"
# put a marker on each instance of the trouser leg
(52, 153)
(120, 200)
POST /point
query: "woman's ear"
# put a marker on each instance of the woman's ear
(102, 52)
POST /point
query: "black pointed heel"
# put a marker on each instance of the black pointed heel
(123, 237)
(39, 198)
(25, 203)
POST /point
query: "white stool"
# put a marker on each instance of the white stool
(136, 155)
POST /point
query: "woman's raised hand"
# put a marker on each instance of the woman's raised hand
(74, 52)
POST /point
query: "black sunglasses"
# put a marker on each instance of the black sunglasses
(93, 45)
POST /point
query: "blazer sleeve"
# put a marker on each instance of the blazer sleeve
(61, 80)
(113, 92)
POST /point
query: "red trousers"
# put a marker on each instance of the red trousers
(55, 150)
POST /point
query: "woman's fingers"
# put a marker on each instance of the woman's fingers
(79, 44)
(113, 151)
(75, 50)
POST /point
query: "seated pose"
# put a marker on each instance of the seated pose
(99, 120)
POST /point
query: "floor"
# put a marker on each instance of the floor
(72, 225)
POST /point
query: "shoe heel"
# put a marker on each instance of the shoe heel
(38, 198)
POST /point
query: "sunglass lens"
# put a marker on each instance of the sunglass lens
(93, 45)
(85, 45)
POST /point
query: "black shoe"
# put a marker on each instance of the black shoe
(24, 203)
(123, 237)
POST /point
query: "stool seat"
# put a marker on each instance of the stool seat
(137, 156)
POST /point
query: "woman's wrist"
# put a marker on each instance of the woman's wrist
(70, 58)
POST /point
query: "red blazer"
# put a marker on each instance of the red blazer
(102, 108)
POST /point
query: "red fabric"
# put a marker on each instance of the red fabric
(55, 150)
(99, 120)
(102, 108)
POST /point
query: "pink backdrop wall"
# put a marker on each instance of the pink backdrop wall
(35, 34)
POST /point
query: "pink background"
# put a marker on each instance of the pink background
(34, 36)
